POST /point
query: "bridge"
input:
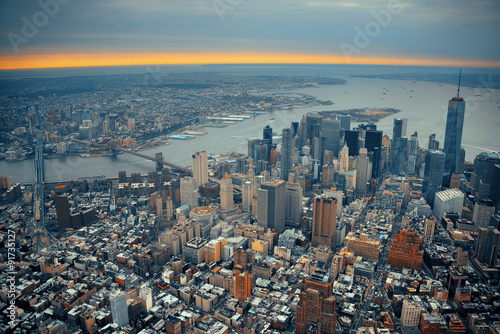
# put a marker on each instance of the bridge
(158, 159)
(40, 236)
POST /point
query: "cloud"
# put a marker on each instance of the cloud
(437, 28)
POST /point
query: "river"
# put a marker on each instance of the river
(423, 103)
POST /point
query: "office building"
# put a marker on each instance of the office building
(362, 245)
(430, 226)
(267, 135)
(313, 124)
(242, 285)
(189, 192)
(433, 174)
(194, 251)
(345, 122)
(4, 182)
(410, 313)
(453, 135)
(488, 246)
(286, 153)
(486, 176)
(351, 139)
(62, 211)
(373, 144)
(448, 201)
(146, 294)
(344, 159)
(433, 142)
(119, 310)
(406, 251)
(226, 192)
(399, 128)
(324, 221)
(293, 205)
(398, 155)
(247, 195)
(200, 167)
(214, 250)
(483, 211)
(330, 133)
(362, 172)
(271, 205)
(317, 305)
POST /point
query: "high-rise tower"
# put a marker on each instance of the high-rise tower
(399, 129)
(226, 192)
(271, 205)
(433, 174)
(362, 172)
(200, 167)
(286, 153)
(453, 134)
(324, 221)
(373, 143)
(118, 302)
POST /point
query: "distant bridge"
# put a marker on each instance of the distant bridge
(158, 158)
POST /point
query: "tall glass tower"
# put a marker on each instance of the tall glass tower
(453, 135)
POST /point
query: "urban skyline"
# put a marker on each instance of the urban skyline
(233, 166)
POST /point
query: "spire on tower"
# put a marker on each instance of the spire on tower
(459, 79)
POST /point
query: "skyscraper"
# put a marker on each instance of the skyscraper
(351, 139)
(373, 143)
(62, 211)
(226, 192)
(267, 135)
(317, 305)
(330, 132)
(433, 174)
(242, 286)
(344, 159)
(453, 135)
(200, 167)
(324, 221)
(293, 205)
(433, 143)
(345, 122)
(271, 205)
(286, 153)
(313, 122)
(398, 155)
(488, 246)
(146, 294)
(362, 172)
(119, 311)
(189, 192)
(412, 153)
(399, 128)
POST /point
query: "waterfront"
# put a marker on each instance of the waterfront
(424, 104)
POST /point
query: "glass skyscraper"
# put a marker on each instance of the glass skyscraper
(433, 174)
(453, 135)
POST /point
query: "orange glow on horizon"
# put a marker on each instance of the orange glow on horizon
(195, 58)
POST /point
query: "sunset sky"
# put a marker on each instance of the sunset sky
(126, 32)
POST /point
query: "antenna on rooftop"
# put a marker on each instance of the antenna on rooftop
(459, 79)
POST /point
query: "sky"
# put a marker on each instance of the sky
(67, 33)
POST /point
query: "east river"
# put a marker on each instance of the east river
(424, 104)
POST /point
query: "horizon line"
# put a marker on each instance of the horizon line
(62, 60)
